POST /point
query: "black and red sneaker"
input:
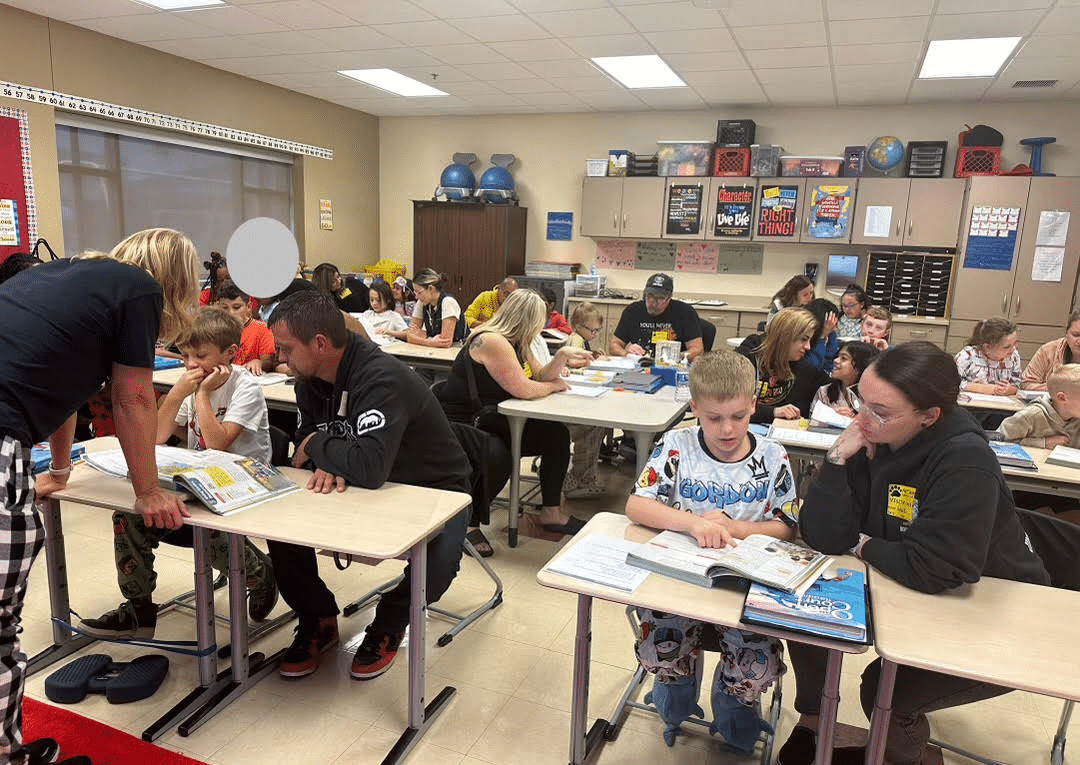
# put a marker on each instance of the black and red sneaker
(376, 653)
(312, 641)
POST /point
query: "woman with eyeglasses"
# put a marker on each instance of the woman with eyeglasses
(912, 488)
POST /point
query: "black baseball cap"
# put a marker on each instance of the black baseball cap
(659, 285)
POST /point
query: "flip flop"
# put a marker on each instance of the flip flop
(572, 526)
(481, 543)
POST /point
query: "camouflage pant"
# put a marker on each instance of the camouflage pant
(587, 440)
(134, 544)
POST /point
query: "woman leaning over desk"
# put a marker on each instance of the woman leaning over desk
(70, 325)
(787, 382)
(912, 488)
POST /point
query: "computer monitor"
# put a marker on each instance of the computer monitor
(842, 271)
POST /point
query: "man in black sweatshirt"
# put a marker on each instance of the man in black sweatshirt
(364, 418)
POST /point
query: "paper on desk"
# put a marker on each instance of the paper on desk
(986, 398)
(601, 560)
(589, 391)
(271, 378)
(616, 362)
(826, 415)
(372, 333)
(802, 437)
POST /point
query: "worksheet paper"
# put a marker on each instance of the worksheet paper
(1053, 228)
(878, 221)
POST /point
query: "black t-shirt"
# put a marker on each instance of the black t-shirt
(64, 325)
(679, 321)
(353, 297)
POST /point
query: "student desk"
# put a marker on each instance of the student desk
(423, 356)
(719, 606)
(351, 522)
(278, 396)
(974, 631)
(643, 414)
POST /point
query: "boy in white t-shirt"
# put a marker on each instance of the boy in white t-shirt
(214, 405)
(718, 483)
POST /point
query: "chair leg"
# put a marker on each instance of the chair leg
(1057, 751)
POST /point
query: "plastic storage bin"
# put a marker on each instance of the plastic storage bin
(596, 167)
(765, 160)
(683, 157)
(618, 161)
(589, 285)
(811, 167)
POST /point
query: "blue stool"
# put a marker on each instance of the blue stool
(1036, 145)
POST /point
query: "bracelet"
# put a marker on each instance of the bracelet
(56, 472)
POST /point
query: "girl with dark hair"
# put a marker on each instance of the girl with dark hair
(217, 272)
(382, 315)
(913, 489)
(841, 392)
(853, 303)
(797, 293)
(350, 295)
(826, 343)
(1050, 356)
(990, 363)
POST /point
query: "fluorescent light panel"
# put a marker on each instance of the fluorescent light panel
(640, 71)
(393, 82)
(981, 57)
(181, 5)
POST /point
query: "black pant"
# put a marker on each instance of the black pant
(546, 438)
(297, 571)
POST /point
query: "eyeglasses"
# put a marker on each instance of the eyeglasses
(876, 418)
(592, 330)
(849, 305)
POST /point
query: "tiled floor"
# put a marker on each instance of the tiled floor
(512, 670)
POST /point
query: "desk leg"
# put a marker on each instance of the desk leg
(830, 701)
(420, 718)
(517, 427)
(65, 642)
(879, 721)
(579, 708)
(643, 445)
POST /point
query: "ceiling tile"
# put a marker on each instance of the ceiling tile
(888, 74)
(255, 66)
(1050, 46)
(702, 62)
(546, 6)
(148, 27)
(285, 42)
(583, 23)
(443, 75)
(378, 11)
(392, 58)
(780, 35)
(467, 53)
(593, 82)
(301, 14)
(203, 48)
(839, 10)
(784, 58)
(799, 97)
(881, 53)
(424, 33)
(354, 37)
(970, 25)
(903, 29)
(535, 50)
(867, 93)
(744, 14)
(507, 71)
(666, 17)
(610, 45)
(466, 8)
(77, 10)
(804, 76)
(985, 6)
(563, 68)
(691, 41)
(555, 100)
(609, 100)
(744, 92)
(231, 20)
(1060, 19)
(467, 88)
(525, 85)
(501, 28)
(301, 80)
(709, 81)
(1030, 68)
(671, 98)
(925, 91)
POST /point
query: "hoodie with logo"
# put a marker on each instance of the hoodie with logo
(937, 510)
(379, 422)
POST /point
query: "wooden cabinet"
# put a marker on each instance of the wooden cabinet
(475, 245)
(629, 208)
(904, 331)
(909, 212)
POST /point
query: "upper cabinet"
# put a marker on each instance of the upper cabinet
(908, 212)
(778, 209)
(630, 208)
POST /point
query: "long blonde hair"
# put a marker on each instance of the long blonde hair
(172, 260)
(519, 319)
(789, 325)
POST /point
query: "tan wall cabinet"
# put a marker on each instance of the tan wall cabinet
(908, 212)
(628, 208)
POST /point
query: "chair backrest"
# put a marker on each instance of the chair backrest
(708, 333)
(490, 461)
(279, 446)
(1057, 542)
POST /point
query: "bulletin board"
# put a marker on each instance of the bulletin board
(18, 209)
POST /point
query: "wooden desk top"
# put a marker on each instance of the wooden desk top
(1003, 632)
(375, 523)
(717, 605)
(406, 351)
(615, 409)
(279, 393)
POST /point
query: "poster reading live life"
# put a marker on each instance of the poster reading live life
(19, 214)
(734, 209)
(778, 213)
(684, 210)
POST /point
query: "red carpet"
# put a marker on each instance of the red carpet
(80, 735)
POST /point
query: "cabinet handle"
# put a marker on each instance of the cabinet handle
(1017, 312)
(625, 218)
(1004, 302)
(919, 332)
(909, 227)
(614, 221)
(897, 227)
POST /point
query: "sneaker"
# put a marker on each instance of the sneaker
(132, 619)
(313, 639)
(262, 593)
(41, 751)
(376, 653)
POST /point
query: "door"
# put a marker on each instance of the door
(642, 207)
(1039, 295)
(778, 209)
(883, 202)
(601, 206)
(933, 212)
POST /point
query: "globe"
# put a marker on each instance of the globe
(885, 153)
(499, 178)
(457, 176)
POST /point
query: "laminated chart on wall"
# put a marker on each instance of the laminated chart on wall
(618, 254)
(697, 257)
(655, 256)
(778, 211)
(745, 258)
(734, 212)
(830, 210)
(1050, 243)
(992, 234)
(684, 209)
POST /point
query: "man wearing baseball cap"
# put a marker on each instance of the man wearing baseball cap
(657, 317)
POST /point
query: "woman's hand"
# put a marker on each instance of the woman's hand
(558, 385)
(786, 412)
(440, 342)
(847, 444)
(575, 358)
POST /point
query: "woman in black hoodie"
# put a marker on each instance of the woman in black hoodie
(912, 488)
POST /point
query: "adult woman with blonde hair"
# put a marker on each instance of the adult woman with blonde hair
(495, 364)
(437, 319)
(787, 382)
(70, 325)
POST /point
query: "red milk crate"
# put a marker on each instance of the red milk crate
(731, 161)
(977, 160)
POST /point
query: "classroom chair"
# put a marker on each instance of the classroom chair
(708, 333)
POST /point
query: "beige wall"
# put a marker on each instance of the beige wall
(48, 54)
(551, 151)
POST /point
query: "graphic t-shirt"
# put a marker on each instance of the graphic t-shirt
(679, 321)
(239, 400)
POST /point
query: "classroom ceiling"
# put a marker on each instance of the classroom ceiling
(531, 56)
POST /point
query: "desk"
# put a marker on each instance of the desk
(278, 396)
(995, 403)
(423, 356)
(718, 606)
(643, 414)
(970, 638)
(339, 522)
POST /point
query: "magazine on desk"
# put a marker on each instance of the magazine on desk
(758, 558)
(222, 481)
(836, 606)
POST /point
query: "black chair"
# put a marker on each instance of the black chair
(280, 445)
(708, 333)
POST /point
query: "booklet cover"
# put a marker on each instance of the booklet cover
(222, 481)
(1013, 455)
(759, 558)
(836, 606)
(1066, 456)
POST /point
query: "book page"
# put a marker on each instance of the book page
(602, 560)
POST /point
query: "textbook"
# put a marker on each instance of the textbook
(41, 456)
(758, 558)
(601, 560)
(222, 481)
(836, 606)
(1066, 456)
(1012, 455)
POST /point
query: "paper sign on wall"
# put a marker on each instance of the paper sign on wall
(1053, 228)
(878, 221)
(615, 253)
(1047, 263)
(697, 257)
(9, 223)
(655, 256)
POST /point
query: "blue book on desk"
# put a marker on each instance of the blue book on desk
(163, 362)
(41, 456)
(836, 606)
(1012, 455)
(643, 381)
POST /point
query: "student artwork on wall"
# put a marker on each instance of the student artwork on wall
(734, 210)
(991, 242)
(778, 211)
(655, 256)
(830, 210)
(18, 210)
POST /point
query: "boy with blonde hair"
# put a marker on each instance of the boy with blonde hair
(214, 405)
(1052, 421)
(876, 325)
(718, 483)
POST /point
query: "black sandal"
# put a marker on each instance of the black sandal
(480, 543)
(572, 526)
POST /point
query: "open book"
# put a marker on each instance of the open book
(836, 606)
(785, 565)
(222, 481)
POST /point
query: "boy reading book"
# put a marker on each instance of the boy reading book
(719, 483)
(214, 405)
